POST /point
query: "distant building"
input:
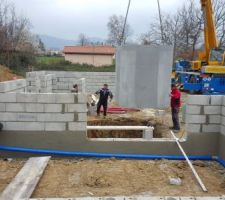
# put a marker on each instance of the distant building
(92, 55)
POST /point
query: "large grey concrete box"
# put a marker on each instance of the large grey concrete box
(144, 76)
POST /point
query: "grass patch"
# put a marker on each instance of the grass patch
(59, 64)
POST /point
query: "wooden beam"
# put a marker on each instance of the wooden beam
(24, 183)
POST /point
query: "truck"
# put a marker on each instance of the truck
(207, 74)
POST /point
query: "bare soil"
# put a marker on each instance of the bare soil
(6, 74)
(159, 119)
(8, 171)
(111, 177)
(150, 117)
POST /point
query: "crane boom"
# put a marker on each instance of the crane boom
(209, 27)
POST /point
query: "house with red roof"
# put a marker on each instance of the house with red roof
(92, 55)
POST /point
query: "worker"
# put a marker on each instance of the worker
(75, 89)
(104, 94)
(175, 106)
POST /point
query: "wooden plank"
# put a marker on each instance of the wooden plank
(24, 183)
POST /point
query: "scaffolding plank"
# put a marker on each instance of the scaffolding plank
(24, 183)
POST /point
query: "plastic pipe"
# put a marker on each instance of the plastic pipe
(222, 162)
(189, 163)
(102, 155)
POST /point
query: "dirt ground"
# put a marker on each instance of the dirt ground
(7, 75)
(8, 170)
(111, 177)
(159, 119)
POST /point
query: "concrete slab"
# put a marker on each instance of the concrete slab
(143, 76)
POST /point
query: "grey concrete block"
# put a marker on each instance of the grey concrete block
(34, 108)
(78, 126)
(212, 110)
(223, 120)
(82, 117)
(26, 117)
(82, 98)
(195, 119)
(26, 97)
(223, 101)
(193, 128)
(55, 117)
(55, 126)
(71, 108)
(34, 126)
(4, 117)
(198, 100)
(2, 107)
(65, 98)
(223, 110)
(46, 98)
(11, 86)
(53, 108)
(217, 100)
(7, 97)
(15, 107)
(214, 119)
(222, 129)
(196, 110)
(211, 128)
(14, 126)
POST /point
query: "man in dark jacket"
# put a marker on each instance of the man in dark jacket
(104, 94)
(175, 106)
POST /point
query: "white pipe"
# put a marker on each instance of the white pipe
(189, 163)
(119, 128)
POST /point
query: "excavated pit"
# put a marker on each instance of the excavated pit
(160, 129)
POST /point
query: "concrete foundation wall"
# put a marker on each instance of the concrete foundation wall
(144, 76)
(43, 112)
(13, 86)
(78, 141)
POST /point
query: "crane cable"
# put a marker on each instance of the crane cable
(123, 41)
(160, 20)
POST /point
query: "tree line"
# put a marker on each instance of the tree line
(18, 44)
(183, 29)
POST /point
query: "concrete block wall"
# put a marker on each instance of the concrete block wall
(39, 82)
(204, 113)
(43, 112)
(64, 81)
(13, 86)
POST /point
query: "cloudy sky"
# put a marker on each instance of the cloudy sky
(67, 18)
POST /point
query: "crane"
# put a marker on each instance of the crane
(212, 55)
(207, 74)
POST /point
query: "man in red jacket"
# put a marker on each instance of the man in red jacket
(175, 106)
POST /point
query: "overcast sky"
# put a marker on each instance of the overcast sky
(67, 18)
